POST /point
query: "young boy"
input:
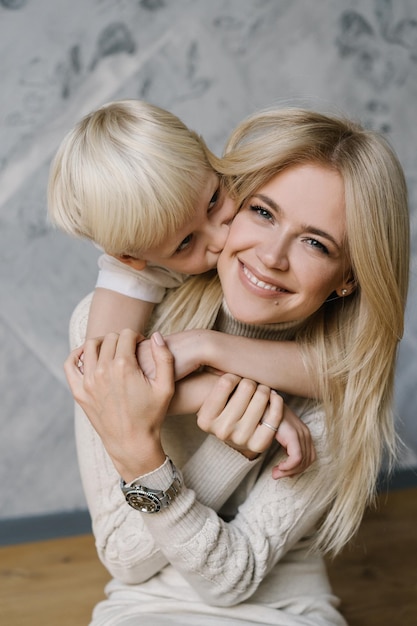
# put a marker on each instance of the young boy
(137, 182)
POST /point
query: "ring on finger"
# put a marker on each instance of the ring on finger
(268, 426)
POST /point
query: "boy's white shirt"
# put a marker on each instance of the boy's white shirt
(148, 284)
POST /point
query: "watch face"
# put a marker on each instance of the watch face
(142, 501)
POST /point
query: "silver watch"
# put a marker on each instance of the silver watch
(152, 500)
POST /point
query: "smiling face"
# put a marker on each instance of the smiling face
(286, 254)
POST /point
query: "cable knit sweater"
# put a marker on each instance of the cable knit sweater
(233, 548)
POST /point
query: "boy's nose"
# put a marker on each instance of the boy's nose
(228, 210)
(216, 237)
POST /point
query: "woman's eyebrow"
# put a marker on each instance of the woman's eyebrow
(321, 233)
(306, 227)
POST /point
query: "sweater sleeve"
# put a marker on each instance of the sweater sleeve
(226, 562)
(124, 544)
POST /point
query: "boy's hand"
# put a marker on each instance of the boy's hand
(295, 437)
(186, 347)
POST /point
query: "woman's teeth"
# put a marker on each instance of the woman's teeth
(259, 283)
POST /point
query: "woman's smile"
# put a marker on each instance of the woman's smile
(262, 284)
(285, 254)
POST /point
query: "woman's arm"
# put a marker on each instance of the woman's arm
(230, 408)
(291, 433)
(123, 543)
(226, 561)
(275, 515)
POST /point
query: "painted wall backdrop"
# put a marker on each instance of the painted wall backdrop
(211, 63)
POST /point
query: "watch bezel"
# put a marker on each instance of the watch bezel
(153, 504)
(152, 500)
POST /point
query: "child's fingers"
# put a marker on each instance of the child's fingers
(295, 463)
(296, 438)
(300, 455)
(164, 366)
(72, 368)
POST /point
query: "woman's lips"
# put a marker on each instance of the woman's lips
(261, 284)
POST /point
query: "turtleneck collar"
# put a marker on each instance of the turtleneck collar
(283, 331)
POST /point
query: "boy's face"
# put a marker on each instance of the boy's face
(195, 248)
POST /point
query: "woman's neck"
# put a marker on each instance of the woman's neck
(283, 331)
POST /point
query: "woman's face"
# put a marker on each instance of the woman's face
(285, 253)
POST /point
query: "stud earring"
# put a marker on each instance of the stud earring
(344, 292)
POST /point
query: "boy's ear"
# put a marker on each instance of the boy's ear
(137, 264)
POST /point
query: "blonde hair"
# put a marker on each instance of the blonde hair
(351, 341)
(127, 176)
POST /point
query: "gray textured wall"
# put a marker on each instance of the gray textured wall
(211, 63)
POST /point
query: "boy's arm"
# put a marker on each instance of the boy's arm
(111, 311)
(126, 292)
(277, 364)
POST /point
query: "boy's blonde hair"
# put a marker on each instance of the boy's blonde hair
(127, 177)
(354, 340)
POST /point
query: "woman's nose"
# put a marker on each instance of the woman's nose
(273, 253)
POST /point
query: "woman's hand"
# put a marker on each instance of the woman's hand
(125, 406)
(248, 417)
(233, 410)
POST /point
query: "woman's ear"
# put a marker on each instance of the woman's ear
(347, 288)
(137, 264)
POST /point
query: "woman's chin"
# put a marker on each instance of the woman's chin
(248, 317)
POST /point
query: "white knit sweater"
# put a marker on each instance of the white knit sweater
(232, 548)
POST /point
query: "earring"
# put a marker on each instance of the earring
(344, 292)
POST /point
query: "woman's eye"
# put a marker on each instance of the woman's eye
(318, 245)
(185, 243)
(261, 211)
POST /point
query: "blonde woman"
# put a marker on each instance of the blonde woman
(318, 253)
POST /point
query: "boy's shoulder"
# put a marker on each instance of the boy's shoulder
(148, 284)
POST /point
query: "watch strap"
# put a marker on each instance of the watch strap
(149, 500)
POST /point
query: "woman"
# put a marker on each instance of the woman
(318, 252)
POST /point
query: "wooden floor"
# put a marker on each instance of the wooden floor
(57, 582)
